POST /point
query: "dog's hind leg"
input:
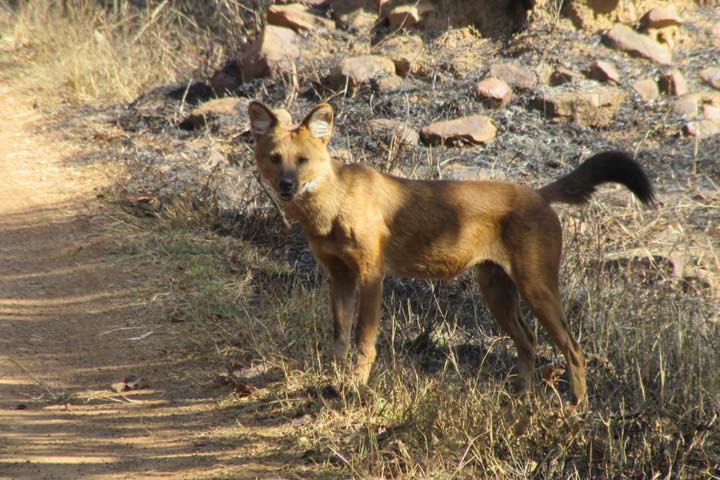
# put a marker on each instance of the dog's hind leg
(501, 296)
(537, 279)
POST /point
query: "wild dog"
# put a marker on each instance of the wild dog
(362, 225)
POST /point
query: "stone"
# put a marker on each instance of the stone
(647, 89)
(493, 92)
(388, 83)
(702, 129)
(514, 75)
(273, 51)
(297, 17)
(712, 76)
(563, 75)
(593, 107)
(406, 16)
(354, 71)
(393, 130)
(661, 17)
(359, 15)
(711, 112)
(407, 53)
(686, 106)
(628, 40)
(603, 72)
(217, 107)
(673, 83)
(474, 130)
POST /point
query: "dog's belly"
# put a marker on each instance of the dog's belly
(440, 264)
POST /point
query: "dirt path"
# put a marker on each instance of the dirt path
(68, 317)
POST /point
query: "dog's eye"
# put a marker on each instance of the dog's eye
(302, 160)
(276, 159)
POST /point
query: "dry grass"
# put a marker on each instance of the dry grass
(80, 52)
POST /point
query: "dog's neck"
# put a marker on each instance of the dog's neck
(317, 204)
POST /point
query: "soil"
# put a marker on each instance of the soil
(71, 325)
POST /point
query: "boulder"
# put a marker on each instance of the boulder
(407, 53)
(517, 77)
(393, 130)
(686, 106)
(355, 14)
(297, 17)
(354, 71)
(647, 89)
(711, 112)
(594, 107)
(702, 129)
(628, 40)
(712, 76)
(209, 111)
(562, 75)
(673, 83)
(273, 51)
(603, 72)
(388, 83)
(406, 16)
(474, 130)
(493, 92)
(660, 17)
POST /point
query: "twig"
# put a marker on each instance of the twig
(34, 379)
(275, 203)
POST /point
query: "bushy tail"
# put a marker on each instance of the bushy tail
(613, 166)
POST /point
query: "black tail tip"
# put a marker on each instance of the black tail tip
(620, 167)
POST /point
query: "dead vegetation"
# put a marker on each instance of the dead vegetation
(640, 287)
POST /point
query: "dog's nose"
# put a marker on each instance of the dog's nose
(286, 185)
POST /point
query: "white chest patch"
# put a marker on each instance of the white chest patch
(310, 186)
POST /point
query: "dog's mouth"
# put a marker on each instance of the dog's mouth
(285, 196)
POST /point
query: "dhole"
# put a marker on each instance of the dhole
(362, 225)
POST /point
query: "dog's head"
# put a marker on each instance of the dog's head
(293, 160)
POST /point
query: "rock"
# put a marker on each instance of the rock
(406, 16)
(475, 129)
(686, 106)
(625, 38)
(356, 14)
(594, 107)
(205, 113)
(353, 71)
(297, 17)
(393, 130)
(702, 129)
(660, 17)
(514, 75)
(388, 83)
(273, 51)
(711, 112)
(563, 75)
(712, 76)
(647, 89)
(603, 72)
(673, 83)
(493, 92)
(407, 53)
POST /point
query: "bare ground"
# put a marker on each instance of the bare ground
(70, 326)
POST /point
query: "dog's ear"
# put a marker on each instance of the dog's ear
(319, 122)
(262, 119)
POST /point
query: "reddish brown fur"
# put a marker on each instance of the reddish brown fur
(362, 224)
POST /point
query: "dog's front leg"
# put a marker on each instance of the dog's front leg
(343, 283)
(368, 323)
